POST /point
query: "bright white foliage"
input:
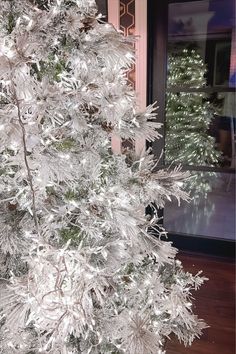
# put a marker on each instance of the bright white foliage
(80, 269)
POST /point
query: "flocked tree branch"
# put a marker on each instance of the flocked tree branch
(80, 270)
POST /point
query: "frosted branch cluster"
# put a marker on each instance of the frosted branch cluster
(80, 273)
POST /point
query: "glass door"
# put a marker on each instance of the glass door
(198, 112)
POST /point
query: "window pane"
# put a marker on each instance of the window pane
(208, 28)
(200, 102)
(200, 128)
(211, 211)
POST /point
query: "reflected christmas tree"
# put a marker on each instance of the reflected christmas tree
(188, 117)
(80, 273)
(188, 114)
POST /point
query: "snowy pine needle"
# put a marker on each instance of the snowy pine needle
(81, 272)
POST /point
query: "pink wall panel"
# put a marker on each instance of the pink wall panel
(130, 16)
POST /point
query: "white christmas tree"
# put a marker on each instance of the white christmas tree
(80, 270)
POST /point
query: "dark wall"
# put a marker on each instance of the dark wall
(102, 7)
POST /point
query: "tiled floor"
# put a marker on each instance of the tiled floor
(213, 216)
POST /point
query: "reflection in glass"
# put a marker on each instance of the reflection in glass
(200, 109)
(208, 26)
(222, 63)
(226, 125)
(213, 215)
(186, 69)
(201, 113)
(199, 184)
(188, 115)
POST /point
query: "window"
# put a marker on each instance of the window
(192, 77)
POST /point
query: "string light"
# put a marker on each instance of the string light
(84, 273)
(188, 116)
